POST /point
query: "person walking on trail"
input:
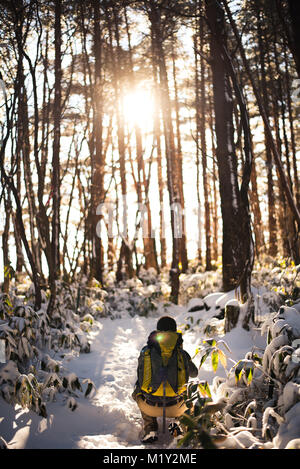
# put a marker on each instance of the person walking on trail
(164, 368)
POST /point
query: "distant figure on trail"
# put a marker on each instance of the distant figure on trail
(163, 370)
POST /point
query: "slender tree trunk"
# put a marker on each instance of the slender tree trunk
(292, 130)
(125, 250)
(142, 183)
(172, 163)
(55, 260)
(19, 251)
(183, 249)
(5, 248)
(257, 228)
(215, 244)
(272, 249)
(23, 136)
(157, 136)
(157, 140)
(43, 222)
(203, 111)
(97, 159)
(294, 10)
(237, 249)
(197, 140)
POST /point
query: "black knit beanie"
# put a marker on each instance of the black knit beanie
(166, 323)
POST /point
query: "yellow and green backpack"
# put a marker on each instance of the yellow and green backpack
(163, 365)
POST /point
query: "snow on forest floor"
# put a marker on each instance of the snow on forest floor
(109, 418)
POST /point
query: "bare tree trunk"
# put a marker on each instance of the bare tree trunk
(183, 249)
(55, 259)
(215, 217)
(269, 161)
(197, 139)
(203, 108)
(23, 136)
(172, 163)
(237, 237)
(142, 182)
(292, 28)
(292, 131)
(257, 228)
(125, 250)
(97, 159)
(5, 248)
(157, 137)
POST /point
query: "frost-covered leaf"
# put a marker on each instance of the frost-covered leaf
(238, 370)
(72, 404)
(89, 388)
(222, 358)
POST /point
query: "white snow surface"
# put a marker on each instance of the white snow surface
(109, 418)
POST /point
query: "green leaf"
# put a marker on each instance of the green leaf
(210, 342)
(8, 271)
(203, 358)
(238, 370)
(204, 389)
(8, 302)
(249, 374)
(256, 358)
(215, 360)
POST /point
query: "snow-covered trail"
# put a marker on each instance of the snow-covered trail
(109, 418)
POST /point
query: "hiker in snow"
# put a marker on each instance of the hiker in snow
(163, 370)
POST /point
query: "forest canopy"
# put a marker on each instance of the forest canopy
(155, 134)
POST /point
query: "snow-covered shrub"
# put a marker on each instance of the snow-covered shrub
(137, 296)
(30, 377)
(282, 364)
(23, 389)
(276, 281)
(262, 392)
(199, 285)
(196, 420)
(5, 306)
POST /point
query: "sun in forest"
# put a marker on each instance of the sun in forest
(138, 108)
